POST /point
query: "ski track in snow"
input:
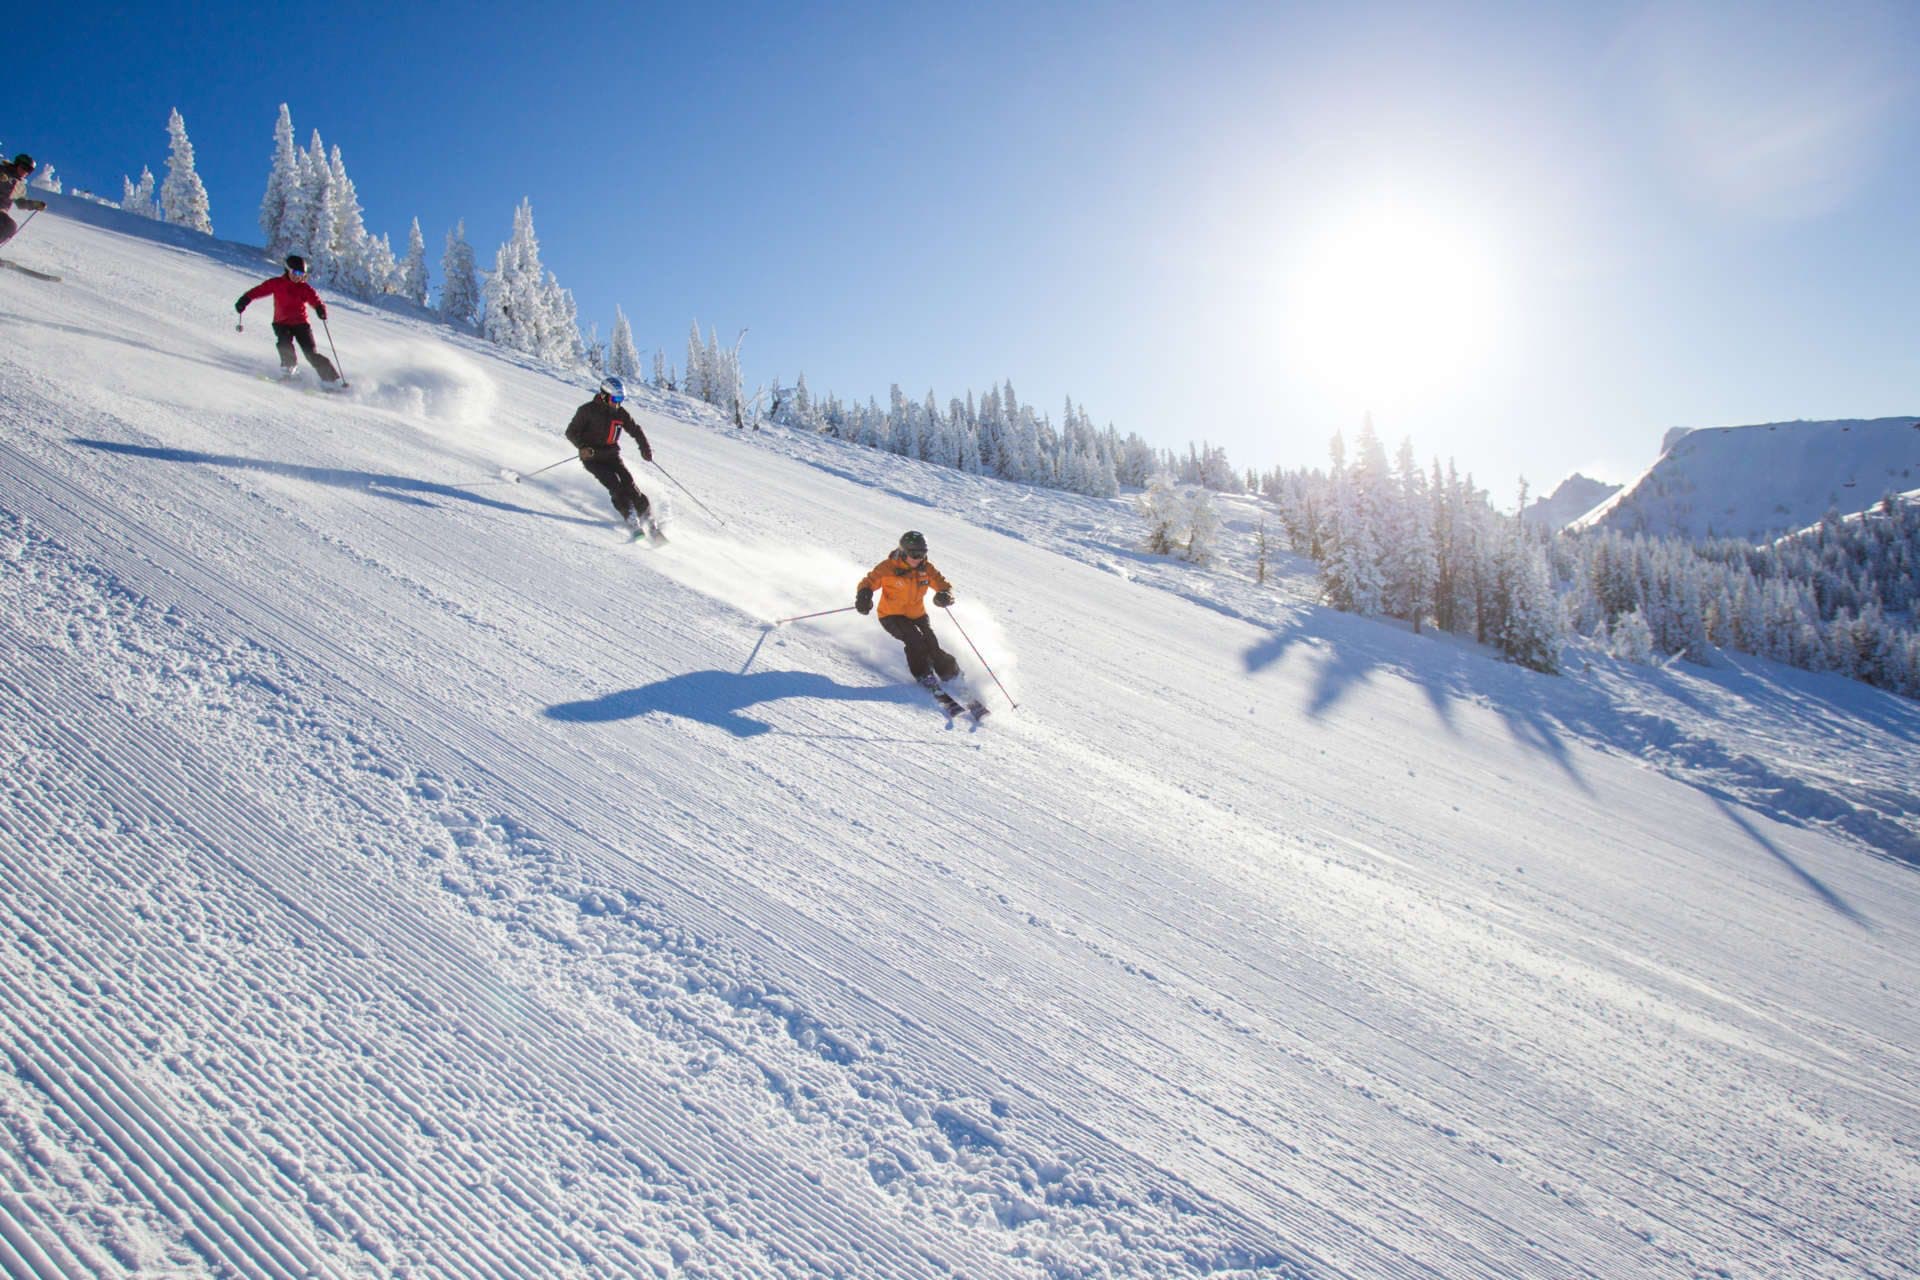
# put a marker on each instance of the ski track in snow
(407, 879)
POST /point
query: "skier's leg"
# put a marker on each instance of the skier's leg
(608, 471)
(283, 342)
(7, 227)
(903, 630)
(321, 365)
(939, 659)
(636, 501)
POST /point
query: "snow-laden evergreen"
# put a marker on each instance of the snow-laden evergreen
(411, 282)
(279, 204)
(623, 359)
(183, 197)
(523, 307)
(138, 197)
(459, 280)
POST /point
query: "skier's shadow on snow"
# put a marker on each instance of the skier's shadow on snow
(721, 698)
(393, 488)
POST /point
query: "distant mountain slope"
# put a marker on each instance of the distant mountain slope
(1758, 481)
(1576, 496)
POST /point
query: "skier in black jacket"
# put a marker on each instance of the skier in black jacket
(13, 180)
(595, 432)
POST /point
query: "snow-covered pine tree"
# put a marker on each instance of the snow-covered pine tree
(282, 181)
(45, 179)
(183, 197)
(623, 360)
(695, 381)
(315, 228)
(137, 197)
(1161, 506)
(459, 280)
(413, 269)
(661, 378)
(1412, 561)
(1203, 521)
(381, 273)
(349, 264)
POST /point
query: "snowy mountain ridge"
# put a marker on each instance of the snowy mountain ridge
(1575, 496)
(1757, 482)
(405, 875)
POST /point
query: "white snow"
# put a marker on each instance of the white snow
(1761, 481)
(403, 876)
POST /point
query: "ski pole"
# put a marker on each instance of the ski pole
(337, 366)
(823, 613)
(976, 653)
(703, 506)
(514, 477)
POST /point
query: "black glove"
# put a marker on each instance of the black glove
(320, 309)
(239, 307)
(646, 452)
(34, 205)
(943, 598)
(863, 600)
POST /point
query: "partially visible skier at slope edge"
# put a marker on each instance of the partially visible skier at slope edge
(595, 432)
(13, 180)
(903, 580)
(292, 295)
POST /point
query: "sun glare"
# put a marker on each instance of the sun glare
(1391, 304)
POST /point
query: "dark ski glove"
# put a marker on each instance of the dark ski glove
(321, 309)
(943, 598)
(587, 453)
(35, 205)
(646, 452)
(863, 600)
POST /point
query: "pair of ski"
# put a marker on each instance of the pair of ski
(325, 388)
(29, 271)
(952, 706)
(643, 529)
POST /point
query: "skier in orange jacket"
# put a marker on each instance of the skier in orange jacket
(903, 580)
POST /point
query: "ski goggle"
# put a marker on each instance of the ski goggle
(617, 397)
(913, 555)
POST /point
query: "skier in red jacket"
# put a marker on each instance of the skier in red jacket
(292, 295)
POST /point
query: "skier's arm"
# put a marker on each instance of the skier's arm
(577, 429)
(639, 436)
(258, 291)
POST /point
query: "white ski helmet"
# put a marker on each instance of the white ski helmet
(613, 389)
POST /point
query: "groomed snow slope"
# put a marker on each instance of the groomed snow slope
(401, 879)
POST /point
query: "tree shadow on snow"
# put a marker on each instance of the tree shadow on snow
(1345, 652)
(1805, 877)
(720, 698)
(393, 488)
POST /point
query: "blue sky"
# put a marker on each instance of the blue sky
(1531, 237)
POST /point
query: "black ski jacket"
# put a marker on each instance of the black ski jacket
(596, 425)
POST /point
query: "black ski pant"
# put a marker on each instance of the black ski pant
(924, 654)
(612, 472)
(7, 227)
(285, 335)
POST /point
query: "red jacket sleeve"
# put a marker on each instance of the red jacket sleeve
(260, 290)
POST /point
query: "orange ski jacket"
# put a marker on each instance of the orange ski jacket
(903, 587)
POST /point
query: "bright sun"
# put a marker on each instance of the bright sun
(1389, 305)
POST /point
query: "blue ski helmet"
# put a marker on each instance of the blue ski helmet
(613, 389)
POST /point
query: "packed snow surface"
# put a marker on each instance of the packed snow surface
(402, 874)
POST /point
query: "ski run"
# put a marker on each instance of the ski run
(400, 879)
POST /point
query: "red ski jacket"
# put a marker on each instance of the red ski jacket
(291, 298)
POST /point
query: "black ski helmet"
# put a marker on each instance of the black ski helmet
(296, 263)
(23, 162)
(913, 542)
